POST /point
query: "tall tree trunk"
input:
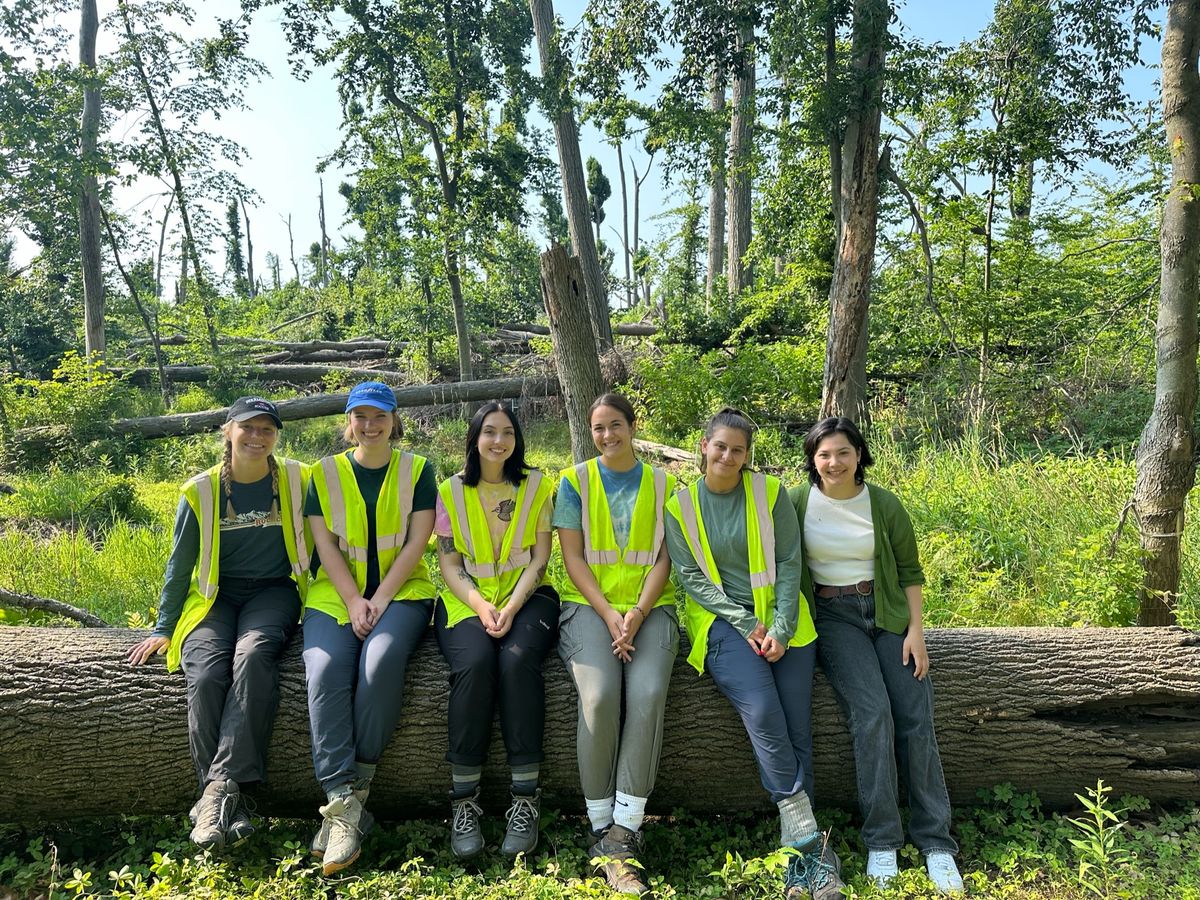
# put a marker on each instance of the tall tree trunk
(462, 334)
(324, 235)
(844, 391)
(162, 240)
(292, 247)
(1166, 463)
(190, 251)
(566, 136)
(625, 251)
(741, 127)
(833, 135)
(89, 189)
(716, 192)
(575, 356)
(249, 252)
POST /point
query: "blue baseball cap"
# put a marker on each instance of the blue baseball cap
(372, 393)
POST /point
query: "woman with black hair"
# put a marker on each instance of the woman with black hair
(496, 622)
(865, 578)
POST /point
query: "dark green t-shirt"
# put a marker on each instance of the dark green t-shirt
(370, 483)
(251, 546)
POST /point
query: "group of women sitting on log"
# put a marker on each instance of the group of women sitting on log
(773, 581)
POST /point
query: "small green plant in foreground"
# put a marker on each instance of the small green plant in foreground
(1104, 861)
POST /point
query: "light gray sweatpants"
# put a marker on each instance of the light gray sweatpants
(615, 757)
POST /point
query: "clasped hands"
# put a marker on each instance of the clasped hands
(764, 645)
(365, 614)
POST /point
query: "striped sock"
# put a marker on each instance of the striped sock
(525, 779)
(465, 779)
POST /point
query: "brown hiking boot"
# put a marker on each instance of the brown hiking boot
(622, 849)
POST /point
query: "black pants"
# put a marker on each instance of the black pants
(231, 663)
(482, 666)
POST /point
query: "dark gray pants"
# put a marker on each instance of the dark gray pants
(231, 664)
(890, 715)
(355, 688)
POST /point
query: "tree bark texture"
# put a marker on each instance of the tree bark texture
(555, 70)
(844, 389)
(1166, 463)
(84, 734)
(89, 189)
(716, 191)
(33, 440)
(565, 299)
(296, 373)
(741, 126)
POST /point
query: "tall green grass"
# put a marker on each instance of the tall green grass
(1005, 540)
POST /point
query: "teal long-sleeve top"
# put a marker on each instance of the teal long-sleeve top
(725, 524)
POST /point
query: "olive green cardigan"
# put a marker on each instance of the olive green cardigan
(896, 562)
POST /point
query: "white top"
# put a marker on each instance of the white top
(839, 539)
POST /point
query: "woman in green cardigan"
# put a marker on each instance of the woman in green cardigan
(863, 576)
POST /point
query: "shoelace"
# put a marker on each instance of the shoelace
(466, 815)
(221, 811)
(796, 875)
(522, 814)
(818, 870)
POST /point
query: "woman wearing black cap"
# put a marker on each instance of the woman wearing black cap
(230, 601)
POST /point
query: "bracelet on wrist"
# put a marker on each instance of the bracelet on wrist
(638, 609)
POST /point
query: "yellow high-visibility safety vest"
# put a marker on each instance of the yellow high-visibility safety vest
(495, 577)
(762, 492)
(620, 574)
(203, 494)
(345, 515)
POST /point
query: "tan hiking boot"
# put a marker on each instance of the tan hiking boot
(622, 849)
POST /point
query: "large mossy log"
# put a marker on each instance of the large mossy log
(84, 734)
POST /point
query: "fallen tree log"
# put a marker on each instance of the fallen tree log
(1051, 710)
(299, 373)
(663, 451)
(630, 329)
(45, 438)
(178, 340)
(327, 356)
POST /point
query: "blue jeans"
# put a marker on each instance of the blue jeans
(355, 687)
(890, 715)
(775, 703)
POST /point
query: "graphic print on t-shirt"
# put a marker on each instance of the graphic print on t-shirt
(253, 519)
(504, 510)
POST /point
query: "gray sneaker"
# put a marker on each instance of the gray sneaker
(820, 868)
(214, 812)
(521, 836)
(240, 826)
(466, 837)
(622, 847)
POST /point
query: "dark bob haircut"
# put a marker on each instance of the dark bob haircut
(836, 425)
(515, 467)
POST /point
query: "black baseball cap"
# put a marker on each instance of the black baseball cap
(248, 407)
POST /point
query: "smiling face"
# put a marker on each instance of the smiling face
(612, 434)
(253, 439)
(497, 439)
(724, 455)
(370, 425)
(836, 460)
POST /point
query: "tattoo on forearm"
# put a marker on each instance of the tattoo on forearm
(541, 573)
(466, 576)
(445, 544)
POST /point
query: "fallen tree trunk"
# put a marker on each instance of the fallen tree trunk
(83, 734)
(327, 356)
(629, 329)
(663, 451)
(178, 340)
(299, 373)
(48, 437)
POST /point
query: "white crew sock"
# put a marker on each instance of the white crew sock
(600, 812)
(796, 821)
(630, 811)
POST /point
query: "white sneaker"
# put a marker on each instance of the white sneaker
(882, 867)
(943, 872)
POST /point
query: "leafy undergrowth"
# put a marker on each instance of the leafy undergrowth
(1010, 849)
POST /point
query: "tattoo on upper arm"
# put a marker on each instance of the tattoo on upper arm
(445, 544)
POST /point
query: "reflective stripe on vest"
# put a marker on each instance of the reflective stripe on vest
(293, 470)
(208, 523)
(395, 540)
(337, 510)
(595, 557)
(518, 557)
(766, 529)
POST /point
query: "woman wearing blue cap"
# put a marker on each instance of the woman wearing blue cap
(371, 510)
(230, 602)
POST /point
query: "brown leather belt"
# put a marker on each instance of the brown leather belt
(832, 592)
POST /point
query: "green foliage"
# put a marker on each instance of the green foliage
(79, 394)
(1104, 862)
